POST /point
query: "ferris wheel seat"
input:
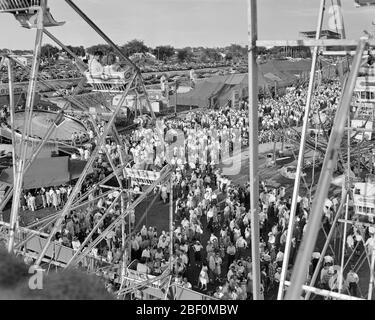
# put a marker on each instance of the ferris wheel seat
(13, 6)
(111, 82)
(30, 20)
(362, 3)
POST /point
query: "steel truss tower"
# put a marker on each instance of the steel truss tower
(135, 85)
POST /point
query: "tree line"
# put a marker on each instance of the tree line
(168, 53)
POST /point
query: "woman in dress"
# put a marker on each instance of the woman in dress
(203, 278)
(55, 203)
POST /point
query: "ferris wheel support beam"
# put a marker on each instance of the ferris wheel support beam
(147, 100)
(171, 224)
(129, 195)
(40, 145)
(313, 225)
(342, 29)
(347, 187)
(18, 179)
(254, 145)
(325, 247)
(89, 236)
(301, 154)
(166, 171)
(78, 61)
(372, 276)
(89, 163)
(14, 141)
(325, 293)
(52, 218)
(107, 153)
(77, 203)
(74, 207)
(114, 46)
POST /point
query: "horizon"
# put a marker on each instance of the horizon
(194, 23)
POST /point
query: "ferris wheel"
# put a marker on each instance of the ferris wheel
(34, 241)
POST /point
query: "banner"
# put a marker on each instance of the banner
(142, 176)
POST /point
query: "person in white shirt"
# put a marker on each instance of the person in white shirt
(146, 254)
(86, 154)
(280, 258)
(76, 244)
(95, 67)
(186, 284)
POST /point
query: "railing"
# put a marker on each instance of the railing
(112, 82)
(140, 277)
(181, 293)
(18, 5)
(57, 253)
(142, 176)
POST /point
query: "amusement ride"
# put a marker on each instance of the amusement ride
(354, 119)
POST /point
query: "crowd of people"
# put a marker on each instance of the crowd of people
(212, 224)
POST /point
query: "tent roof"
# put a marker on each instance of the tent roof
(47, 172)
(200, 95)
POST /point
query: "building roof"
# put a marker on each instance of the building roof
(47, 172)
(324, 33)
(365, 2)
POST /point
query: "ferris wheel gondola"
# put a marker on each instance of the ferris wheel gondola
(26, 12)
(363, 3)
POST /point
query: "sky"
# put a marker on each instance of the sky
(181, 23)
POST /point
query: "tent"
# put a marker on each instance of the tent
(201, 95)
(274, 74)
(235, 82)
(47, 172)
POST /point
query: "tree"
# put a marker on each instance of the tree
(235, 51)
(184, 55)
(164, 52)
(262, 50)
(209, 54)
(134, 46)
(48, 51)
(78, 51)
(106, 49)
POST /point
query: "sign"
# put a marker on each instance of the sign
(364, 201)
(142, 176)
